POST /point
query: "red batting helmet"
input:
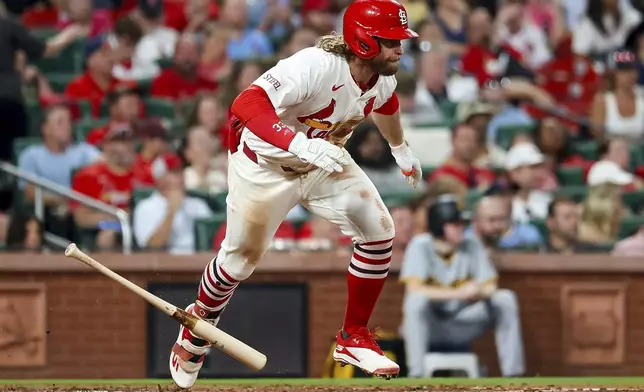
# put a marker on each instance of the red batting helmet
(366, 20)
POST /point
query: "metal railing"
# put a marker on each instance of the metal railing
(39, 205)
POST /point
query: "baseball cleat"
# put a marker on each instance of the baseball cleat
(362, 351)
(186, 358)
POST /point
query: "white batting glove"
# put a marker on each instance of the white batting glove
(408, 163)
(318, 152)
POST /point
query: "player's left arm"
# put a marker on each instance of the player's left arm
(387, 119)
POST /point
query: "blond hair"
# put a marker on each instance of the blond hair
(334, 44)
(602, 210)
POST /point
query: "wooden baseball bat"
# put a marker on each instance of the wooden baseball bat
(220, 339)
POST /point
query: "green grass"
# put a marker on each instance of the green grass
(533, 381)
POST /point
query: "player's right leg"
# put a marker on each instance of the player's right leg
(257, 202)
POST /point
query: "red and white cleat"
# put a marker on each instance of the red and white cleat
(186, 357)
(362, 351)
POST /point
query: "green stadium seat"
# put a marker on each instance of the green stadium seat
(398, 199)
(59, 81)
(637, 157)
(589, 150)
(507, 133)
(35, 115)
(205, 229)
(542, 226)
(21, 143)
(157, 107)
(83, 127)
(634, 200)
(449, 109)
(70, 59)
(165, 62)
(577, 193)
(140, 194)
(568, 176)
(629, 225)
(86, 109)
(472, 198)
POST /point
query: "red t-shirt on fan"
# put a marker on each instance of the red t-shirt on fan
(169, 84)
(99, 182)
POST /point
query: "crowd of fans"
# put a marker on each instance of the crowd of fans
(127, 101)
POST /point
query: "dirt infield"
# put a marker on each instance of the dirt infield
(303, 388)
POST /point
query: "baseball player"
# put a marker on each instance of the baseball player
(293, 121)
(451, 293)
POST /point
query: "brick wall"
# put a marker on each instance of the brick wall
(96, 328)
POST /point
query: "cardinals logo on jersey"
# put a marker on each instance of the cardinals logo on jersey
(319, 127)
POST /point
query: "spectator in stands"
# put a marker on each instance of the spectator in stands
(154, 139)
(242, 74)
(446, 185)
(524, 165)
(547, 16)
(14, 38)
(620, 110)
(563, 227)
(110, 181)
(97, 80)
(405, 90)
(214, 64)
(460, 165)
(158, 41)
(245, 42)
(493, 225)
(601, 214)
(82, 12)
(521, 34)
(478, 114)
(604, 27)
(452, 296)
(370, 151)
(300, 39)
(124, 40)
(124, 106)
(205, 172)
(403, 222)
(166, 219)
(431, 88)
(277, 19)
(182, 80)
(209, 113)
(451, 17)
(197, 14)
(24, 234)
(632, 246)
(55, 160)
(614, 166)
(555, 143)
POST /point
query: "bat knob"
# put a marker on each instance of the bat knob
(70, 249)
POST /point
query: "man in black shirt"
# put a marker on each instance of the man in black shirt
(13, 38)
(563, 221)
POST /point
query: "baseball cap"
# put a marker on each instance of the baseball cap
(151, 9)
(165, 164)
(93, 45)
(119, 132)
(608, 172)
(523, 154)
(466, 110)
(150, 128)
(623, 60)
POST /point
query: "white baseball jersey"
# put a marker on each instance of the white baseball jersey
(313, 92)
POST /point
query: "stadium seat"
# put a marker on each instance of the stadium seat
(542, 226)
(450, 357)
(568, 176)
(140, 194)
(86, 109)
(629, 225)
(59, 80)
(83, 127)
(21, 143)
(577, 193)
(507, 133)
(35, 117)
(634, 200)
(449, 109)
(69, 60)
(205, 229)
(589, 150)
(157, 107)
